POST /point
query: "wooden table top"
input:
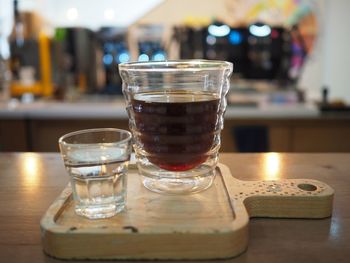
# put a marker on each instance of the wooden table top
(29, 183)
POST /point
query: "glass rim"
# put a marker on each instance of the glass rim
(176, 65)
(70, 134)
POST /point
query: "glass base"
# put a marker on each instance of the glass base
(174, 183)
(98, 211)
(177, 186)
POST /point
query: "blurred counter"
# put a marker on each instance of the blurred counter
(115, 109)
(268, 127)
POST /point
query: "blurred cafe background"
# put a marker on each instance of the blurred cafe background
(289, 91)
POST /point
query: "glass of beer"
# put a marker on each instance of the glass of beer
(175, 113)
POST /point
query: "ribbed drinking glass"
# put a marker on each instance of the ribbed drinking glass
(176, 114)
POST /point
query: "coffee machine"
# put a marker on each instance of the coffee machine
(114, 46)
(74, 60)
(85, 61)
(258, 51)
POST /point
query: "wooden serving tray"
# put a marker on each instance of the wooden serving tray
(208, 225)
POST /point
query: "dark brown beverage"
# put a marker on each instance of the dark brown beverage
(176, 129)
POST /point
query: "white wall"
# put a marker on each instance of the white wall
(329, 63)
(91, 13)
(175, 12)
(6, 24)
(336, 70)
(311, 79)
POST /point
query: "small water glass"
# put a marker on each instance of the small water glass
(97, 163)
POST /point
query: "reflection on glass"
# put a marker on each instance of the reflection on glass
(30, 163)
(272, 163)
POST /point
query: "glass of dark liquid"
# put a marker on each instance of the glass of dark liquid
(175, 113)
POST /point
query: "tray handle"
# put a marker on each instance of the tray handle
(290, 198)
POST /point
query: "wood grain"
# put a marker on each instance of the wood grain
(45, 132)
(13, 135)
(318, 139)
(26, 195)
